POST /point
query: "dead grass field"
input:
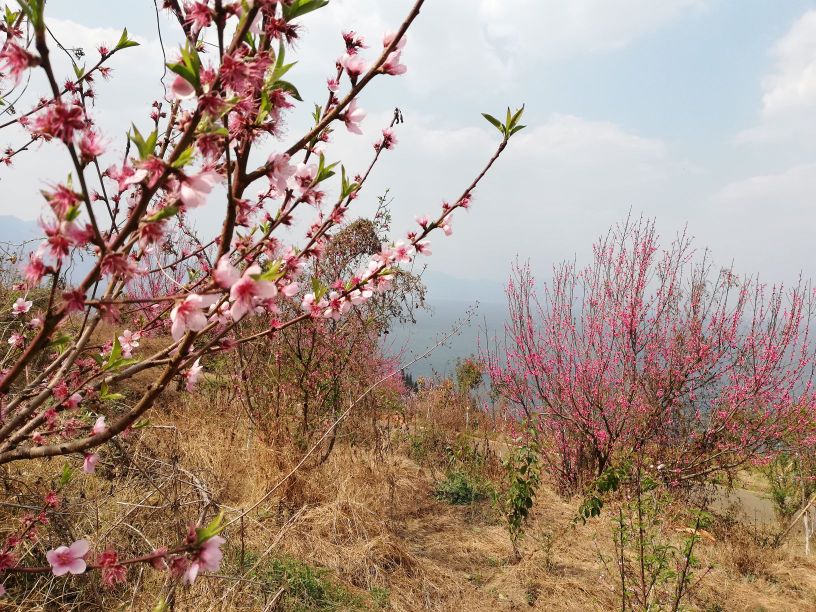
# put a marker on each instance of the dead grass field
(361, 531)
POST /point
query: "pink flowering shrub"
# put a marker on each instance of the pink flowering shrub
(654, 352)
(176, 301)
(310, 372)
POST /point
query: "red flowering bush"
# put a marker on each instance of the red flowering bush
(653, 352)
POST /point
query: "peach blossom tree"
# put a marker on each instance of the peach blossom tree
(60, 390)
(653, 352)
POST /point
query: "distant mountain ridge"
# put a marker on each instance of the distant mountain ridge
(17, 231)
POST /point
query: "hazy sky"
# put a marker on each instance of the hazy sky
(697, 112)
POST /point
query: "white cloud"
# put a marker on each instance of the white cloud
(792, 85)
(553, 29)
(789, 90)
(559, 184)
(479, 47)
(790, 190)
(781, 245)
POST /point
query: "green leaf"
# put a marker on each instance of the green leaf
(184, 72)
(164, 213)
(494, 122)
(516, 116)
(184, 158)
(116, 353)
(348, 187)
(73, 213)
(125, 42)
(212, 529)
(60, 342)
(116, 361)
(145, 146)
(319, 289)
(161, 605)
(298, 8)
(33, 9)
(190, 66)
(324, 171)
(66, 475)
(290, 89)
(11, 16)
(106, 396)
(280, 68)
(272, 273)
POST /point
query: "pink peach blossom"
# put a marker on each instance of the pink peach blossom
(21, 306)
(353, 116)
(68, 559)
(89, 464)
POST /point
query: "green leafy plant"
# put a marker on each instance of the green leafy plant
(523, 477)
(306, 588)
(460, 488)
(654, 570)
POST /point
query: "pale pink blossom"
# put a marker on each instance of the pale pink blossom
(129, 341)
(193, 375)
(195, 188)
(16, 340)
(14, 60)
(446, 225)
(359, 296)
(393, 64)
(389, 37)
(247, 290)
(208, 559)
(99, 426)
(189, 314)
(73, 401)
(221, 314)
(354, 65)
(21, 306)
(182, 89)
(333, 84)
(311, 305)
(353, 116)
(60, 121)
(225, 274)
(423, 247)
(389, 140)
(290, 290)
(402, 252)
(89, 465)
(336, 306)
(90, 145)
(68, 559)
(279, 171)
(198, 15)
(130, 176)
(304, 176)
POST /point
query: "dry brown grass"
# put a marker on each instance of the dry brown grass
(368, 517)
